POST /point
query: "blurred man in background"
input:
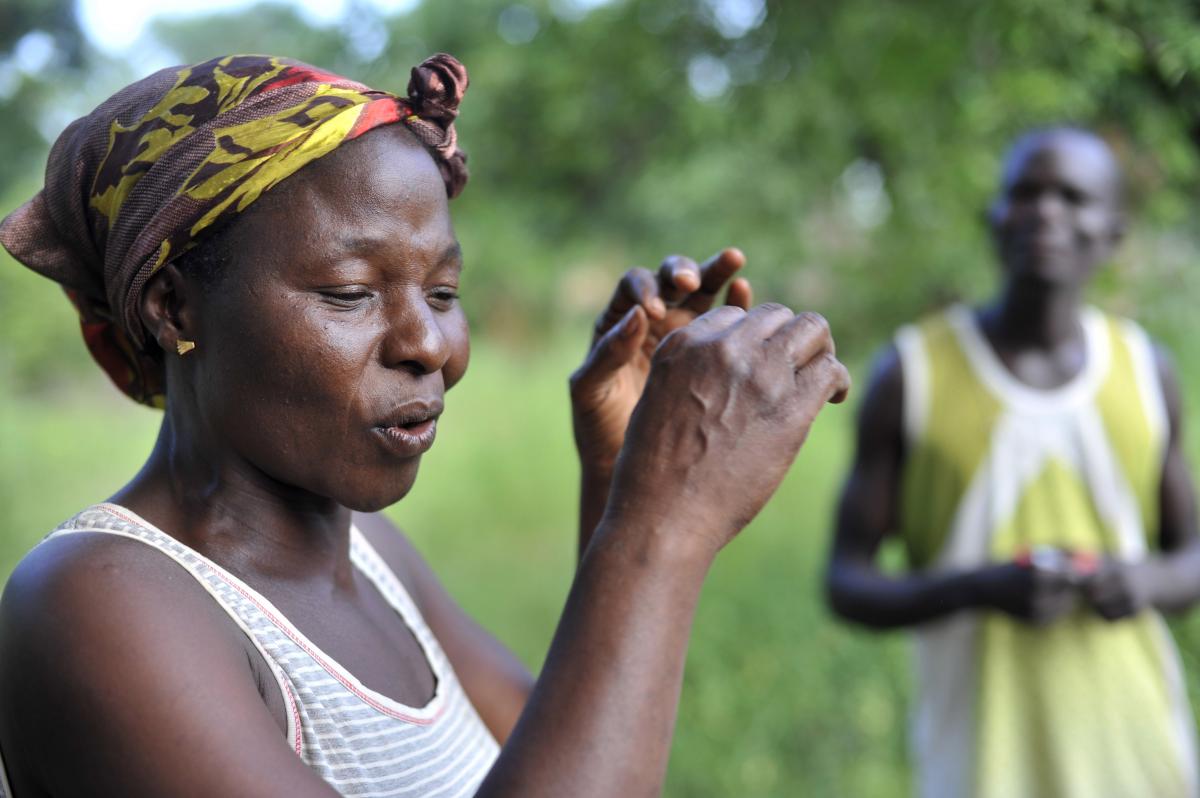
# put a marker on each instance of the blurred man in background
(1027, 454)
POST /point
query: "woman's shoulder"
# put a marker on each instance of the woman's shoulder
(111, 653)
(77, 591)
(87, 552)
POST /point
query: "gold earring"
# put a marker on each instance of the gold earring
(183, 347)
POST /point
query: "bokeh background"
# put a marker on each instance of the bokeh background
(849, 147)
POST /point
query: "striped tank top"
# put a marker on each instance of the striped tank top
(360, 741)
(1082, 707)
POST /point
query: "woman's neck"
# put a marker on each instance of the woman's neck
(214, 501)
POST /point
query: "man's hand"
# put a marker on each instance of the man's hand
(1037, 596)
(1120, 589)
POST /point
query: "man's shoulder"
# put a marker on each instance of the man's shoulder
(1131, 332)
(938, 322)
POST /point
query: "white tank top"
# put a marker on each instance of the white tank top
(360, 741)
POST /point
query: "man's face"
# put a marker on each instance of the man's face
(1057, 217)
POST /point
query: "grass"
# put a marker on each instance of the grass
(778, 698)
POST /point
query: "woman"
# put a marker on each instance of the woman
(243, 254)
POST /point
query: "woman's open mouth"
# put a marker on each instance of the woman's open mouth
(411, 430)
(409, 440)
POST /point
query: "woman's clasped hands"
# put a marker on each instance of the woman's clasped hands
(689, 416)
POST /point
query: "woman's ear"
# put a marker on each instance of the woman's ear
(165, 310)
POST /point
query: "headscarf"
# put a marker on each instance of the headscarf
(137, 182)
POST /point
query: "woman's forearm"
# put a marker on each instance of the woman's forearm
(594, 483)
(727, 404)
(601, 717)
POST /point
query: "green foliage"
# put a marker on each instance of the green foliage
(55, 17)
(850, 147)
(26, 93)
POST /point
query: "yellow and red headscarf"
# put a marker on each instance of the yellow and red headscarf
(136, 183)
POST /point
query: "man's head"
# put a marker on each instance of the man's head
(1058, 214)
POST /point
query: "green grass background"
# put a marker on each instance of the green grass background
(778, 700)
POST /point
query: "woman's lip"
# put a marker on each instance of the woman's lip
(410, 440)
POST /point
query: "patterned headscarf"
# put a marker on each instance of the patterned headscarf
(136, 183)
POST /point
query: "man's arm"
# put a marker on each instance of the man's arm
(1170, 580)
(858, 591)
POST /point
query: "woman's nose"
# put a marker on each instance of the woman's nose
(415, 339)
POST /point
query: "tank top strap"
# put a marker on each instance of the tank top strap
(1004, 385)
(948, 413)
(372, 565)
(1134, 419)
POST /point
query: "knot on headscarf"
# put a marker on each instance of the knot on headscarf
(137, 182)
(435, 90)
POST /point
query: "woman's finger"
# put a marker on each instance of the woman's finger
(614, 349)
(678, 276)
(740, 294)
(807, 342)
(761, 323)
(802, 339)
(714, 274)
(824, 378)
(839, 381)
(636, 287)
(708, 325)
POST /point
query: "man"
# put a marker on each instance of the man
(1027, 454)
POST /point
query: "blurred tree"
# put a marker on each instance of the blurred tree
(849, 147)
(42, 61)
(39, 41)
(55, 17)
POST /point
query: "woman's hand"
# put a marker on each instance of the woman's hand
(727, 404)
(643, 310)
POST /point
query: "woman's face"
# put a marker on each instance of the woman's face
(326, 350)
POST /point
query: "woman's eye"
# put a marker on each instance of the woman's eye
(346, 298)
(444, 296)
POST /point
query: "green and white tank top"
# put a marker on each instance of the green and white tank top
(1082, 707)
(360, 741)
